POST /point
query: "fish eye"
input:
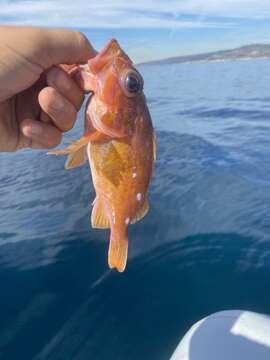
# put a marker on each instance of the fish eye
(133, 83)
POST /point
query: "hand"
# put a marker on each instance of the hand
(38, 99)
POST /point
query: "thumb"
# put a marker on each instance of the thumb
(27, 52)
(59, 46)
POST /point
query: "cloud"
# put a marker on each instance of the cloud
(135, 14)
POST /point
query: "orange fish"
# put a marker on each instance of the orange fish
(119, 142)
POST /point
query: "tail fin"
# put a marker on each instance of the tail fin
(117, 257)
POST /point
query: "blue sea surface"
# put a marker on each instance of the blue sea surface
(203, 247)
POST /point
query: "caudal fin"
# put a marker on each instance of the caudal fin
(117, 257)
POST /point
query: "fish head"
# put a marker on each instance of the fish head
(117, 91)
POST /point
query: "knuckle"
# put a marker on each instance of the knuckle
(81, 38)
(57, 107)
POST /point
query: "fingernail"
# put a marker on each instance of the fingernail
(35, 129)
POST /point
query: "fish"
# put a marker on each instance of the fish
(119, 142)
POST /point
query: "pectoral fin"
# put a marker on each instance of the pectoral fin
(76, 151)
(73, 147)
(77, 145)
(76, 159)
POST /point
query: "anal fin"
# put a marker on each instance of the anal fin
(99, 219)
(141, 212)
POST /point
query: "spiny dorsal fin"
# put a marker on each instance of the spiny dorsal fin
(141, 212)
(76, 159)
(99, 219)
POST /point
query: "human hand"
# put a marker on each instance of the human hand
(38, 100)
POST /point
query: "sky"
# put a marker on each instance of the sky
(150, 29)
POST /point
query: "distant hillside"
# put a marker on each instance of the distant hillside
(256, 51)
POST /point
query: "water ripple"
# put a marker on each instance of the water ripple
(203, 247)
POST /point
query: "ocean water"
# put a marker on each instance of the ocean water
(203, 247)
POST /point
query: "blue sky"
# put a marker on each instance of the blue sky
(151, 29)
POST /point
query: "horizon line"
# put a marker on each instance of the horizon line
(204, 52)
